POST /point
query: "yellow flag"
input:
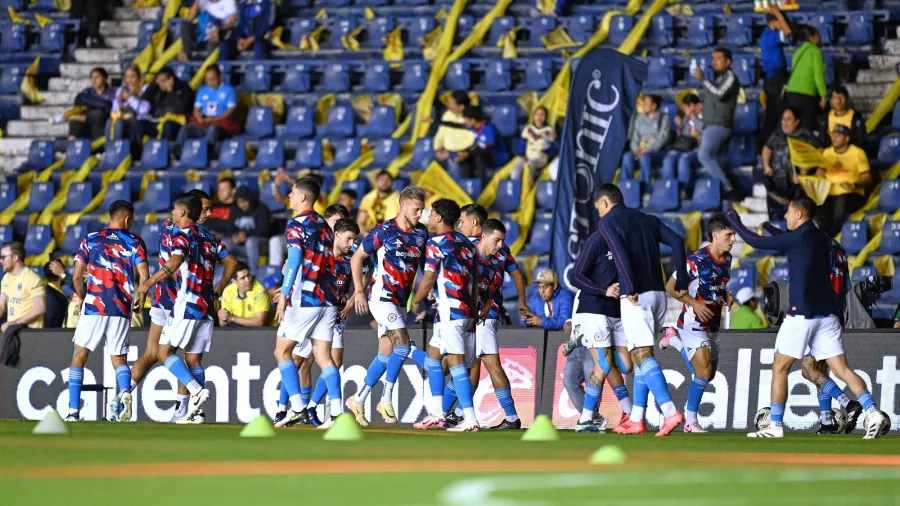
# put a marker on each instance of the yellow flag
(547, 7)
(368, 13)
(816, 188)
(275, 38)
(436, 180)
(323, 107)
(168, 55)
(28, 88)
(15, 18)
(528, 101)
(393, 45)
(693, 224)
(489, 192)
(558, 38)
(145, 4)
(310, 42)
(805, 155)
(507, 41)
(349, 41)
(431, 43)
(197, 80)
(764, 266)
(362, 105)
(884, 264)
(42, 20)
(170, 12)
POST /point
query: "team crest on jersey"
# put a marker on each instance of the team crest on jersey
(392, 317)
(398, 243)
(249, 307)
(420, 241)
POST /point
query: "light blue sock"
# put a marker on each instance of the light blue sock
(289, 377)
(824, 401)
(332, 381)
(641, 392)
(76, 378)
(592, 395)
(449, 396)
(831, 389)
(283, 398)
(395, 363)
(304, 394)
(777, 413)
(866, 400)
(180, 370)
(123, 377)
(418, 357)
(621, 392)
(695, 393)
(463, 386)
(319, 393)
(435, 375)
(376, 369)
(656, 381)
(504, 395)
(199, 375)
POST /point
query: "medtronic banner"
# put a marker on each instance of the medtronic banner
(605, 87)
(243, 376)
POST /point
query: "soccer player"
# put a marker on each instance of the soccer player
(697, 333)
(306, 308)
(110, 256)
(642, 297)
(812, 318)
(399, 249)
(450, 268)
(598, 324)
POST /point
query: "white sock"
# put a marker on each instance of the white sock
(668, 409)
(458, 411)
(690, 416)
(872, 409)
(296, 403)
(193, 387)
(73, 411)
(311, 405)
(469, 413)
(181, 406)
(586, 416)
(512, 418)
(437, 406)
(626, 405)
(776, 425)
(363, 394)
(388, 392)
(844, 400)
(675, 342)
(336, 408)
(826, 417)
(133, 384)
(637, 414)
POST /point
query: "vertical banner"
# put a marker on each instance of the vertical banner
(605, 87)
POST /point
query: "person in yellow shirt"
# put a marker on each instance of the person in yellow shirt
(21, 291)
(849, 175)
(842, 114)
(382, 203)
(245, 302)
(452, 136)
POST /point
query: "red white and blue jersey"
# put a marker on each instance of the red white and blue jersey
(452, 257)
(343, 275)
(165, 291)
(397, 255)
(111, 256)
(219, 247)
(194, 280)
(708, 282)
(840, 275)
(314, 285)
(502, 263)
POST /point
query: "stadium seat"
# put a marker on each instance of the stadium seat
(540, 237)
(411, 2)
(72, 238)
(6, 234)
(701, 32)
(257, 78)
(202, 184)
(183, 71)
(232, 154)
(664, 196)
(546, 195)
(415, 76)
(263, 272)
(382, 123)
(52, 38)
(296, 78)
(458, 77)
(888, 152)
(119, 190)
(464, 27)
(385, 151)
(746, 118)
(248, 179)
(40, 155)
(739, 30)
(854, 236)
(707, 196)
(145, 31)
(895, 119)
(505, 118)
(77, 152)
(619, 28)
(78, 196)
(780, 272)
(157, 197)
(631, 191)
(744, 67)
(512, 231)
(501, 25)
(336, 78)
(309, 155)
(155, 155)
(37, 238)
(472, 186)
(376, 78)
(360, 186)
(269, 154)
(376, 28)
(194, 154)
(660, 72)
(7, 195)
(260, 123)
(889, 196)
(824, 22)
(416, 27)
(538, 74)
(579, 27)
(509, 196)
(498, 75)
(116, 152)
(742, 150)
(423, 154)
(151, 229)
(863, 273)
(742, 277)
(11, 80)
(890, 239)
(340, 122)
(300, 123)
(536, 28)
(346, 151)
(662, 30)
(41, 195)
(13, 37)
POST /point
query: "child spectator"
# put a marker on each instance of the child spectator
(452, 136)
(488, 152)
(254, 24)
(648, 136)
(678, 161)
(537, 144)
(97, 101)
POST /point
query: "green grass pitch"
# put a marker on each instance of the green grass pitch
(156, 464)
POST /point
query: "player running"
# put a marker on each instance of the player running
(110, 256)
(812, 320)
(306, 308)
(697, 334)
(642, 297)
(450, 268)
(399, 249)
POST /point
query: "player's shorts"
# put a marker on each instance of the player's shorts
(486, 338)
(302, 323)
(159, 316)
(305, 349)
(192, 336)
(642, 323)
(388, 316)
(693, 340)
(92, 329)
(822, 336)
(454, 338)
(598, 331)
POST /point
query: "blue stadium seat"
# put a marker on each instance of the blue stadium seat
(360, 186)
(423, 154)
(40, 155)
(79, 196)
(13, 37)
(11, 80)
(151, 229)
(863, 273)
(377, 29)
(895, 119)
(155, 155)
(263, 272)
(660, 72)
(269, 154)
(824, 22)
(376, 77)
(739, 30)
(498, 75)
(631, 191)
(77, 152)
(893, 295)
(704, 63)
(415, 76)
(744, 67)
(183, 71)
(248, 179)
(780, 272)
(746, 118)
(194, 154)
(41, 195)
(309, 154)
(888, 152)
(416, 27)
(257, 78)
(509, 196)
(385, 151)
(411, 2)
(890, 239)
(382, 123)
(7, 195)
(120, 190)
(664, 196)
(116, 152)
(536, 28)
(336, 77)
(701, 31)
(742, 277)
(501, 25)
(299, 28)
(707, 196)
(619, 28)
(145, 31)
(538, 74)
(157, 197)
(741, 150)
(300, 122)
(334, 3)
(579, 27)
(204, 184)
(345, 152)
(464, 27)
(232, 154)
(338, 27)
(854, 236)
(458, 76)
(37, 238)
(512, 231)
(260, 122)
(505, 118)
(6, 235)
(472, 186)
(540, 237)
(72, 238)
(889, 196)
(52, 38)
(296, 78)
(546, 195)
(340, 122)
(662, 30)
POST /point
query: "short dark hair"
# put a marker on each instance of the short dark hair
(48, 273)
(16, 248)
(493, 225)
(805, 204)
(656, 99)
(716, 224)
(346, 225)
(384, 172)
(478, 210)
(230, 180)
(473, 112)
(336, 209)
(193, 205)
(214, 68)
(200, 194)
(460, 97)
(241, 266)
(350, 193)
(611, 192)
(120, 207)
(691, 99)
(447, 209)
(840, 90)
(309, 186)
(724, 51)
(102, 71)
(793, 110)
(167, 72)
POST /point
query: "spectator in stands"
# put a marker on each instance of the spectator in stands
(255, 23)
(537, 145)
(719, 103)
(130, 117)
(91, 12)
(489, 150)
(780, 174)
(21, 290)
(774, 65)
(678, 161)
(382, 203)
(743, 311)
(452, 136)
(250, 229)
(97, 101)
(245, 302)
(221, 218)
(551, 305)
(214, 109)
(806, 89)
(57, 302)
(842, 114)
(849, 175)
(169, 96)
(648, 136)
(215, 22)
(348, 199)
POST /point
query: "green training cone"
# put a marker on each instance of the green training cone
(259, 427)
(541, 429)
(51, 424)
(345, 428)
(608, 455)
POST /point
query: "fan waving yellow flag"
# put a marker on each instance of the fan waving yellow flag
(816, 188)
(436, 180)
(805, 155)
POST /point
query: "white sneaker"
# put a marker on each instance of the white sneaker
(694, 427)
(198, 419)
(873, 423)
(431, 422)
(769, 432)
(125, 400)
(326, 424)
(465, 427)
(113, 406)
(197, 401)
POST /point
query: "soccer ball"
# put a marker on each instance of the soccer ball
(884, 424)
(840, 418)
(763, 417)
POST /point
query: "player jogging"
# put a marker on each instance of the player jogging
(812, 316)
(642, 297)
(399, 249)
(306, 308)
(697, 334)
(450, 268)
(110, 257)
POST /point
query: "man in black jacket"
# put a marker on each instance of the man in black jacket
(57, 303)
(249, 228)
(169, 95)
